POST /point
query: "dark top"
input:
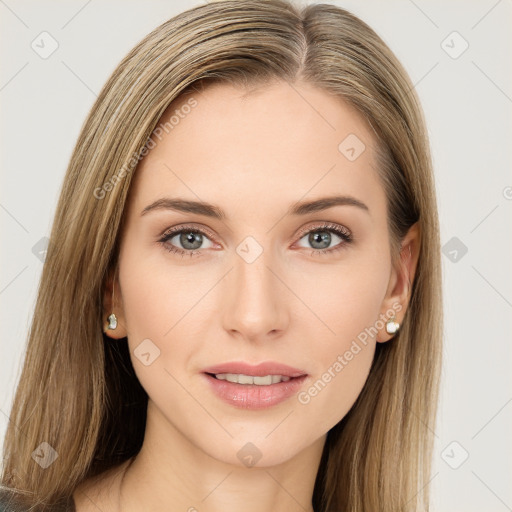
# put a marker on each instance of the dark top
(7, 505)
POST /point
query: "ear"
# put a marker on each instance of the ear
(113, 306)
(402, 275)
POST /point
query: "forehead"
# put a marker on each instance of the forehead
(273, 143)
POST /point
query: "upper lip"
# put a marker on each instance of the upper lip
(259, 370)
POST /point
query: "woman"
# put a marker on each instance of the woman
(270, 342)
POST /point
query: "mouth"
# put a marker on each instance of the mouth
(250, 391)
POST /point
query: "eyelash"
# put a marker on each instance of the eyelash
(343, 233)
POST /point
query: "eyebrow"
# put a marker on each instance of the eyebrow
(213, 211)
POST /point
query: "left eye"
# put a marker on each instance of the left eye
(321, 238)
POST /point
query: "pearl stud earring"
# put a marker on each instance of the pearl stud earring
(392, 326)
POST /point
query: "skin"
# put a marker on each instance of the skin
(261, 152)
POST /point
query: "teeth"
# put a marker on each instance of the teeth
(240, 378)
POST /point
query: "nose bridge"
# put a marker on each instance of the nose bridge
(254, 308)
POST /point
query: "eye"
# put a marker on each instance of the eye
(321, 237)
(185, 240)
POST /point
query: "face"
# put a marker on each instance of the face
(265, 281)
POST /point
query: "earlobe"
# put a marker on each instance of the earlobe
(113, 328)
(391, 327)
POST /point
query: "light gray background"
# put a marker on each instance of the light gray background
(467, 102)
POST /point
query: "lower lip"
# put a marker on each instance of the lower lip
(252, 396)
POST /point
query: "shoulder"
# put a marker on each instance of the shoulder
(9, 503)
(90, 495)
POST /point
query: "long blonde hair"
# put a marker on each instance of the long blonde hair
(78, 392)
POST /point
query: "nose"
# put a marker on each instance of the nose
(255, 307)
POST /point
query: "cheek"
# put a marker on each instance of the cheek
(157, 295)
(161, 305)
(343, 300)
(346, 307)
(163, 310)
